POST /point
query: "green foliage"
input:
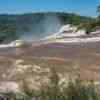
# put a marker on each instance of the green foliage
(98, 10)
(75, 90)
(78, 90)
(13, 26)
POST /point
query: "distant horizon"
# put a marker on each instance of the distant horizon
(23, 13)
(80, 7)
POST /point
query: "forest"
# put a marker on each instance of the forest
(13, 26)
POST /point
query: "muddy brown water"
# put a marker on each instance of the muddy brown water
(83, 59)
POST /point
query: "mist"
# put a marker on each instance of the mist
(47, 25)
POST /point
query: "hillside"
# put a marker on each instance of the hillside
(66, 51)
(36, 25)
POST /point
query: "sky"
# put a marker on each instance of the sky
(82, 7)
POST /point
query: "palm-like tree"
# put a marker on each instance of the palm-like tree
(98, 10)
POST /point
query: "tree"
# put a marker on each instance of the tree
(98, 10)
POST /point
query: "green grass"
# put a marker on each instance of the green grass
(76, 89)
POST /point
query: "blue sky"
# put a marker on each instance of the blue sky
(83, 7)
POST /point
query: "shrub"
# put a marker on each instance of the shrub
(75, 90)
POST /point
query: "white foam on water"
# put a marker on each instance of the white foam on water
(70, 34)
(6, 45)
(15, 43)
(78, 40)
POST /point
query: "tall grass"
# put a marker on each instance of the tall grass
(75, 90)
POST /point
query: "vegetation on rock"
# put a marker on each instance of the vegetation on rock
(13, 26)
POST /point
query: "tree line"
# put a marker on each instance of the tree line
(13, 26)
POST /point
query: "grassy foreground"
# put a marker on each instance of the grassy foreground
(76, 89)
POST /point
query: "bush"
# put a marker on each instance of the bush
(75, 90)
